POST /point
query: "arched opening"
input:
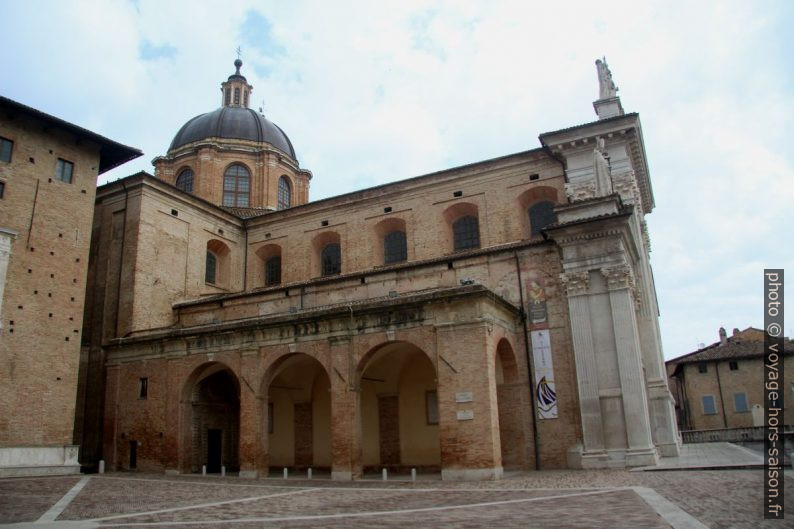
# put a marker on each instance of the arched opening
(298, 414)
(284, 193)
(184, 182)
(236, 184)
(510, 405)
(391, 245)
(268, 271)
(216, 265)
(399, 410)
(327, 254)
(463, 226)
(211, 425)
(537, 206)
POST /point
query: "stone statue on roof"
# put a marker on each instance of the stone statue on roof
(606, 87)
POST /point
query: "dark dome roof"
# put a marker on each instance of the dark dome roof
(233, 123)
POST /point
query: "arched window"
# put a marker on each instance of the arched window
(331, 260)
(211, 268)
(184, 181)
(541, 215)
(236, 96)
(236, 186)
(466, 233)
(228, 98)
(284, 193)
(273, 271)
(394, 247)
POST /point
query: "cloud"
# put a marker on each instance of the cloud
(150, 52)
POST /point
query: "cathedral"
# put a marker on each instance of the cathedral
(495, 316)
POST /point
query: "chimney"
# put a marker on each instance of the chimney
(735, 332)
(723, 336)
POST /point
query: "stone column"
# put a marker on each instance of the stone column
(7, 235)
(620, 283)
(576, 286)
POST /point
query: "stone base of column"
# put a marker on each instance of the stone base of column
(618, 458)
(341, 475)
(249, 474)
(669, 449)
(471, 474)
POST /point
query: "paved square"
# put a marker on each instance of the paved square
(546, 499)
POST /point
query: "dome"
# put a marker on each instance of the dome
(230, 122)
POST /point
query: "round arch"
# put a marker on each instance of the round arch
(296, 411)
(399, 411)
(210, 419)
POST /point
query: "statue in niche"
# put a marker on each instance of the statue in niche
(606, 87)
(603, 175)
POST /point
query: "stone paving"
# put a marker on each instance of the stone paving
(547, 499)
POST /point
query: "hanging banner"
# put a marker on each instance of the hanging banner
(536, 294)
(545, 390)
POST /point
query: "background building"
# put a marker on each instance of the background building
(718, 385)
(48, 172)
(496, 315)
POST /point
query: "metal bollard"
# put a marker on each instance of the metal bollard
(309, 473)
(203, 470)
(286, 473)
(223, 471)
(385, 474)
(413, 474)
(101, 466)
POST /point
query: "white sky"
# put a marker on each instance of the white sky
(372, 92)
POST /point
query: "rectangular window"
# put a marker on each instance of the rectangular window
(734, 366)
(6, 146)
(703, 367)
(431, 407)
(143, 388)
(740, 402)
(709, 408)
(64, 170)
(2, 189)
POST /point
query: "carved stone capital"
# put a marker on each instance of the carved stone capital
(618, 277)
(575, 283)
(625, 184)
(581, 191)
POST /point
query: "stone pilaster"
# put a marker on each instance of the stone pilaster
(576, 285)
(621, 287)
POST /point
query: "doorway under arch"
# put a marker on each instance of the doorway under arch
(212, 410)
(510, 405)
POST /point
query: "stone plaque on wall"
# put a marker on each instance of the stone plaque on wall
(464, 396)
(465, 415)
(545, 391)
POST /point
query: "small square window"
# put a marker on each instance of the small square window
(143, 388)
(6, 146)
(703, 367)
(709, 407)
(734, 365)
(740, 402)
(64, 170)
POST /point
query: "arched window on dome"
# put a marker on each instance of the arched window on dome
(284, 193)
(184, 181)
(236, 186)
(236, 96)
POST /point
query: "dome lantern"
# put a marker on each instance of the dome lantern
(236, 90)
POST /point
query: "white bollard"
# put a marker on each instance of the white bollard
(286, 473)
(101, 466)
(413, 474)
(309, 473)
(203, 470)
(385, 474)
(223, 471)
